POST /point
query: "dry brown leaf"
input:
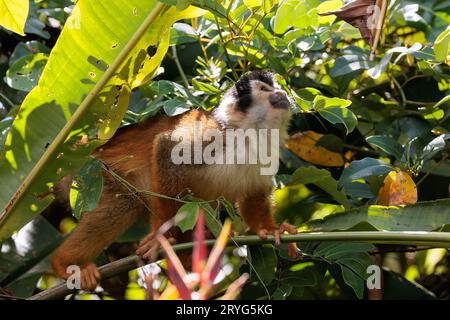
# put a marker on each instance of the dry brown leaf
(357, 13)
(399, 188)
(304, 145)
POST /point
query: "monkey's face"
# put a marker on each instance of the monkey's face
(256, 101)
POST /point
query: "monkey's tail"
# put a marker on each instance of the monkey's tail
(95, 231)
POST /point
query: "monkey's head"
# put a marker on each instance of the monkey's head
(255, 101)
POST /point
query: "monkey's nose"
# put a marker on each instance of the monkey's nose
(279, 100)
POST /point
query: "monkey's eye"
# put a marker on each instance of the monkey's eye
(264, 88)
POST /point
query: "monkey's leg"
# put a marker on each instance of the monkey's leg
(164, 210)
(255, 211)
(97, 229)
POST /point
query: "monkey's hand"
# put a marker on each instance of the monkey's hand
(276, 232)
(149, 247)
(90, 277)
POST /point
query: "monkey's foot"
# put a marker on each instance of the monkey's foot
(90, 277)
(149, 246)
(276, 232)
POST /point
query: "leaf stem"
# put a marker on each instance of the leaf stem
(179, 67)
(4, 97)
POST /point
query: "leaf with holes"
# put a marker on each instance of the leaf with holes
(87, 187)
(80, 90)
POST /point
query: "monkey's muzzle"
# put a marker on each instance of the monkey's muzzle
(279, 100)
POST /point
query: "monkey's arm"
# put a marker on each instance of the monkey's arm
(255, 211)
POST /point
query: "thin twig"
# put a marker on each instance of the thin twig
(227, 56)
(4, 97)
(179, 67)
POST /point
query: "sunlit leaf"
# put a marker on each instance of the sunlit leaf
(84, 52)
(422, 216)
(13, 15)
(357, 13)
(442, 45)
(327, 6)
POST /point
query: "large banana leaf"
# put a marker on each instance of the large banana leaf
(423, 216)
(81, 97)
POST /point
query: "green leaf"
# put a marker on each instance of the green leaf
(212, 219)
(295, 13)
(205, 87)
(186, 217)
(263, 263)
(182, 33)
(321, 102)
(175, 107)
(340, 115)
(328, 6)
(282, 292)
(442, 45)
(305, 277)
(422, 216)
(87, 187)
(27, 48)
(354, 281)
(360, 169)
(86, 73)
(349, 64)
(351, 258)
(25, 72)
(334, 110)
(387, 144)
(14, 14)
(182, 4)
(323, 179)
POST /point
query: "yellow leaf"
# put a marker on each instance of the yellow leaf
(326, 7)
(13, 15)
(162, 39)
(304, 145)
(399, 188)
(117, 111)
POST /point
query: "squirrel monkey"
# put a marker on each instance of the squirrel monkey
(142, 154)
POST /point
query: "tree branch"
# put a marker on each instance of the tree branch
(431, 239)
